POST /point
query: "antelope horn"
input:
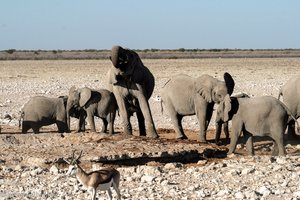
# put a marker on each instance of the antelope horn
(79, 156)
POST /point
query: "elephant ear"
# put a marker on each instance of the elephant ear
(204, 87)
(229, 82)
(227, 107)
(85, 95)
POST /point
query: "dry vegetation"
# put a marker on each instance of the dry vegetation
(12, 54)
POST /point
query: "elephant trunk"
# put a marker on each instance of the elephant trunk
(118, 55)
(68, 115)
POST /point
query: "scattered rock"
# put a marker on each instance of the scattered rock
(54, 170)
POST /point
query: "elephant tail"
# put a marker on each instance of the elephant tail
(280, 93)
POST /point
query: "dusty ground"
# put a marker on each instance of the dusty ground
(20, 80)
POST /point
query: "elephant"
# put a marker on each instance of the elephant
(225, 124)
(258, 116)
(42, 111)
(183, 95)
(290, 92)
(100, 103)
(132, 84)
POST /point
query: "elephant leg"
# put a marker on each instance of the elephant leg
(25, 127)
(291, 129)
(62, 126)
(249, 142)
(209, 112)
(275, 151)
(236, 131)
(218, 132)
(201, 115)
(145, 108)
(81, 123)
(104, 125)
(111, 120)
(36, 129)
(176, 120)
(279, 146)
(141, 121)
(123, 113)
(90, 118)
(226, 131)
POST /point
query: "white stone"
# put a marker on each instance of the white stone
(173, 165)
(263, 190)
(147, 178)
(54, 170)
(247, 171)
(239, 195)
(296, 194)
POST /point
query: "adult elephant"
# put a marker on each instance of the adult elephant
(132, 84)
(183, 95)
(290, 92)
(90, 103)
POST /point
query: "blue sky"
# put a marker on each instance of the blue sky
(138, 24)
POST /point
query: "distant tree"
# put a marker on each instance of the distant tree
(10, 51)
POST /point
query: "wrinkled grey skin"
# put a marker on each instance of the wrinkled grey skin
(260, 116)
(225, 124)
(132, 84)
(183, 95)
(100, 103)
(291, 98)
(42, 111)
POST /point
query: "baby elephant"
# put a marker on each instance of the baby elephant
(42, 111)
(100, 103)
(260, 116)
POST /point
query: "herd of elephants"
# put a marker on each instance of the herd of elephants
(130, 86)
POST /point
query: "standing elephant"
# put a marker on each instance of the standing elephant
(225, 124)
(291, 98)
(260, 116)
(100, 103)
(132, 84)
(183, 95)
(42, 111)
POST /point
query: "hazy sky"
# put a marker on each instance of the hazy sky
(142, 24)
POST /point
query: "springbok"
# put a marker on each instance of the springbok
(101, 180)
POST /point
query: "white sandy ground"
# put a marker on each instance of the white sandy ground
(241, 177)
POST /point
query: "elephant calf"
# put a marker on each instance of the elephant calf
(42, 111)
(100, 103)
(260, 116)
(225, 124)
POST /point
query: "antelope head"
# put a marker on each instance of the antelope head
(73, 164)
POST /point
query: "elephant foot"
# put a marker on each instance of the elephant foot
(181, 137)
(292, 136)
(153, 135)
(204, 141)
